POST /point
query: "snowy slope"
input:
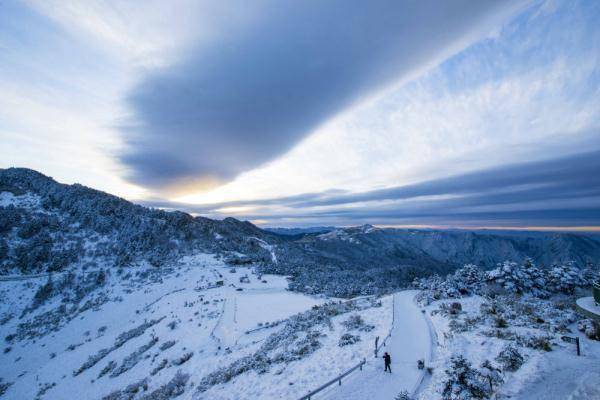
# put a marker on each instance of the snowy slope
(409, 341)
(157, 322)
(196, 317)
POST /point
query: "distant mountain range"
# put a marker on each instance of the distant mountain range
(300, 231)
(48, 226)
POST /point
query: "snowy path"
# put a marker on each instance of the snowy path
(410, 340)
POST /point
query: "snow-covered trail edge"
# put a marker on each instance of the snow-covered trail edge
(411, 339)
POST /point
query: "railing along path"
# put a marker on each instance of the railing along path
(338, 378)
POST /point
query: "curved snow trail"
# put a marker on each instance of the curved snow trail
(410, 340)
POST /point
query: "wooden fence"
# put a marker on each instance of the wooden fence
(337, 379)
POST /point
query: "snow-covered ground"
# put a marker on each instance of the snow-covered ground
(132, 334)
(558, 374)
(152, 324)
(409, 341)
(209, 321)
(561, 374)
(293, 380)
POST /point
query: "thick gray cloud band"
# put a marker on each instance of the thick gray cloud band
(559, 191)
(255, 90)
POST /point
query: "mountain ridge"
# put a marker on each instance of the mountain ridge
(49, 226)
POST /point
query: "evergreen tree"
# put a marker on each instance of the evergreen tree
(464, 382)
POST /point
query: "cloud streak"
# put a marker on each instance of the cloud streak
(557, 191)
(256, 89)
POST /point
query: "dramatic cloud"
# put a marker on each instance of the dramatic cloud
(313, 112)
(255, 89)
(557, 191)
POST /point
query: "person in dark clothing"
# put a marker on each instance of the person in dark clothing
(388, 362)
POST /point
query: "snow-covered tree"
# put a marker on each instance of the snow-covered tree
(590, 328)
(565, 278)
(519, 278)
(463, 381)
(467, 280)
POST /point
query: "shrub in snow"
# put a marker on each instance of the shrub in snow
(170, 390)
(451, 309)
(132, 359)
(535, 342)
(491, 374)
(463, 381)
(119, 341)
(510, 358)
(348, 339)
(100, 278)
(162, 364)
(135, 332)
(403, 395)
(167, 345)
(43, 293)
(527, 278)
(551, 315)
(590, 328)
(466, 280)
(183, 358)
(356, 322)
(108, 368)
(4, 386)
(44, 388)
(7, 316)
(129, 392)
(500, 322)
(468, 323)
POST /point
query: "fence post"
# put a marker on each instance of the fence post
(577, 343)
(376, 347)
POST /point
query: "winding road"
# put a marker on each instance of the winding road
(410, 340)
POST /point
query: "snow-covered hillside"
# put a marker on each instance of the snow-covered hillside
(47, 226)
(147, 331)
(104, 299)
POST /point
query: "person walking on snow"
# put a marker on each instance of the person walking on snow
(388, 362)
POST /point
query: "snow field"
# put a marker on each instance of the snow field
(189, 310)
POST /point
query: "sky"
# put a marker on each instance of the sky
(395, 113)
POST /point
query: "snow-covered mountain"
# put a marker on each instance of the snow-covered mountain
(300, 231)
(48, 226)
(367, 257)
(104, 299)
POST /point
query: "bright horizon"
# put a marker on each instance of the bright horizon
(453, 115)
